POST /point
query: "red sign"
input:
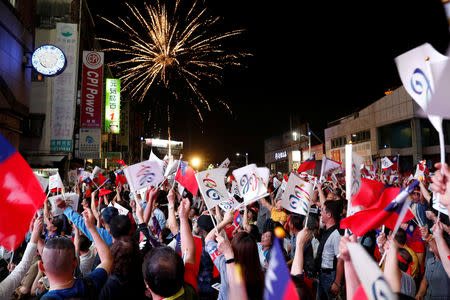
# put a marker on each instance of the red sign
(91, 89)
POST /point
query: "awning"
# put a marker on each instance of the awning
(44, 160)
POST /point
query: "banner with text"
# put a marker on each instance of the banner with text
(91, 90)
(112, 106)
(64, 90)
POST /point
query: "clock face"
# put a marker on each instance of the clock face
(48, 60)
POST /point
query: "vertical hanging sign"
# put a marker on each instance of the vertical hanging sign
(112, 106)
(63, 100)
(91, 90)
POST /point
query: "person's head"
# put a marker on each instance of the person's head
(246, 254)
(252, 214)
(416, 195)
(119, 226)
(331, 196)
(58, 258)
(254, 232)
(296, 223)
(107, 214)
(163, 271)
(400, 237)
(127, 258)
(434, 249)
(267, 239)
(330, 212)
(85, 243)
(404, 259)
(55, 226)
(193, 212)
(204, 225)
(86, 202)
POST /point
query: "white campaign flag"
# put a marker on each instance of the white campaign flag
(71, 200)
(43, 181)
(263, 174)
(250, 186)
(171, 168)
(356, 172)
(276, 183)
(386, 163)
(225, 163)
(297, 195)
(122, 210)
(419, 69)
(369, 274)
(162, 164)
(235, 188)
(143, 174)
(55, 182)
(95, 171)
(328, 165)
(438, 206)
(211, 184)
(281, 189)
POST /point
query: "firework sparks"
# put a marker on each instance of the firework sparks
(171, 49)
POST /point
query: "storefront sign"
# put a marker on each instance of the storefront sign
(91, 90)
(112, 106)
(90, 141)
(63, 102)
(280, 155)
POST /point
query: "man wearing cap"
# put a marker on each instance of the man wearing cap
(205, 272)
(107, 214)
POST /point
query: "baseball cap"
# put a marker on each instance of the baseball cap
(108, 213)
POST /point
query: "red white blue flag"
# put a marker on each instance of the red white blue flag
(21, 195)
(308, 164)
(278, 282)
(392, 205)
(186, 177)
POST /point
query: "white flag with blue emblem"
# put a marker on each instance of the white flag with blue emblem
(211, 184)
(251, 187)
(297, 195)
(143, 174)
(419, 70)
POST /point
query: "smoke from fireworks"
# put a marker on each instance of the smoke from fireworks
(171, 48)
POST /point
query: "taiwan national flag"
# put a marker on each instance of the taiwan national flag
(308, 164)
(21, 195)
(393, 203)
(278, 282)
(186, 177)
(237, 220)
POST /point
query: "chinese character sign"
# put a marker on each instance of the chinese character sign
(112, 106)
(64, 90)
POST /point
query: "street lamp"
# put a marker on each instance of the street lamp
(195, 162)
(246, 157)
(142, 148)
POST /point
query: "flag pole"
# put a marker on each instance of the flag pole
(348, 178)
(440, 131)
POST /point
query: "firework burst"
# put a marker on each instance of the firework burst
(172, 48)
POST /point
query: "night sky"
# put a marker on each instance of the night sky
(318, 60)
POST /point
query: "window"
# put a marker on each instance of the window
(397, 135)
(361, 136)
(33, 125)
(338, 142)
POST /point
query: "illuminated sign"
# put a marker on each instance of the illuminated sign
(280, 155)
(112, 106)
(164, 143)
(48, 60)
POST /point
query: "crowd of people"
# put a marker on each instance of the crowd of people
(169, 246)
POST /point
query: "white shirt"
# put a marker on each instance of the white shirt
(330, 250)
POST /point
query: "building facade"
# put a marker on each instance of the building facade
(393, 125)
(16, 45)
(286, 152)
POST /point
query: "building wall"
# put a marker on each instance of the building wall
(393, 108)
(16, 41)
